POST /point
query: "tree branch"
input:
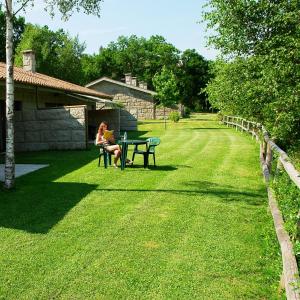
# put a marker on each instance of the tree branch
(23, 5)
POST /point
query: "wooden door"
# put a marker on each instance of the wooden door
(2, 125)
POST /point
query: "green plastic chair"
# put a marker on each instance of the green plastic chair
(150, 150)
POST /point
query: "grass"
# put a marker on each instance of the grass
(197, 226)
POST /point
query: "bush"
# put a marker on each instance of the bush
(174, 116)
(187, 112)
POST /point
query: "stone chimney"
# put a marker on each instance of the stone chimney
(128, 78)
(29, 60)
(143, 85)
(133, 81)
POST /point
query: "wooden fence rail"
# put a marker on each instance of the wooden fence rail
(290, 275)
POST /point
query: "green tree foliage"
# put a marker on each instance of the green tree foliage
(146, 57)
(166, 87)
(19, 26)
(193, 76)
(260, 75)
(57, 54)
(137, 55)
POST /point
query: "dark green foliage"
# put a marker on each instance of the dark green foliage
(57, 54)
(144, 58)
(137, 55)
(193, 76)
(19, 26)
(260, 78)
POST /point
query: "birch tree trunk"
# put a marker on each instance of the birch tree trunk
(10, 155)
(165, 117)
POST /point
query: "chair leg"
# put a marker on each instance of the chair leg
(105, 160)
(133, 155)
(109, 158)
(146, 160)
(99, 160)
(154, 159)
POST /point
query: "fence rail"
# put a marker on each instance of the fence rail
(290, 276)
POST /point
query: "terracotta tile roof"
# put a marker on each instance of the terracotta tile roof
(38, 79)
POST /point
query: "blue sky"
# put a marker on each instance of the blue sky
(177, 21)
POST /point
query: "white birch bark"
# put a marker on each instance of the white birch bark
(10, 155)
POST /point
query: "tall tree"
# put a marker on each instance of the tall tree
(137, 55)
(260, 43)
(18, 25)
(193, 76)
(66, 8)
(58, 54)
(166, 88)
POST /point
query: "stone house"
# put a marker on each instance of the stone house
(137, 99)
(52, 113)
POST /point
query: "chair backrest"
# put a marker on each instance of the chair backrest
(152, 143)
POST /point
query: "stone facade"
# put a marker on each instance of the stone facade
(51, 129)
(139, 108)
(139, 104)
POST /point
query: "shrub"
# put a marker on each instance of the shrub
(174, 116)
(187, 112)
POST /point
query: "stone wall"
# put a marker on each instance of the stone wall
(139, 108)
(51, 129)
(139, 104)
(159, 111)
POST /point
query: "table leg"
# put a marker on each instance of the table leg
(124, 155)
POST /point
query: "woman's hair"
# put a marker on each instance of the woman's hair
(103, 122)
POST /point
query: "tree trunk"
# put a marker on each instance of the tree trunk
(10, 155)
(165, 118)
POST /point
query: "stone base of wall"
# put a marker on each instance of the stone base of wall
(51, 129)
(159, 112)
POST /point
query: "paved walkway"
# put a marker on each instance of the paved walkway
(22, 169)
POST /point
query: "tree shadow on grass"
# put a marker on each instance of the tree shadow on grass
(37, 210)
(38, 202)
(201, 188)
(158, 167)
(208, 128)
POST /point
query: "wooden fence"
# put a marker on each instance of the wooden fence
(290, 276)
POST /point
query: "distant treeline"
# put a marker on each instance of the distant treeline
(62, 56)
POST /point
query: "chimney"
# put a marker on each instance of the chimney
(29, 60)
(133, 81)
(128, 78)
(141, 84)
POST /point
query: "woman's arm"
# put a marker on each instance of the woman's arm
(99, 139)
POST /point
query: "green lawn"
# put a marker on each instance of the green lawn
(197, 226)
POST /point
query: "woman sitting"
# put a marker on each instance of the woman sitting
(109, 143)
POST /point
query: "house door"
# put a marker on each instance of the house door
(2, 125)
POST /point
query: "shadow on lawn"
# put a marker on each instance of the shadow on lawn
(38, 202)
(158, 167)
(198, 188)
